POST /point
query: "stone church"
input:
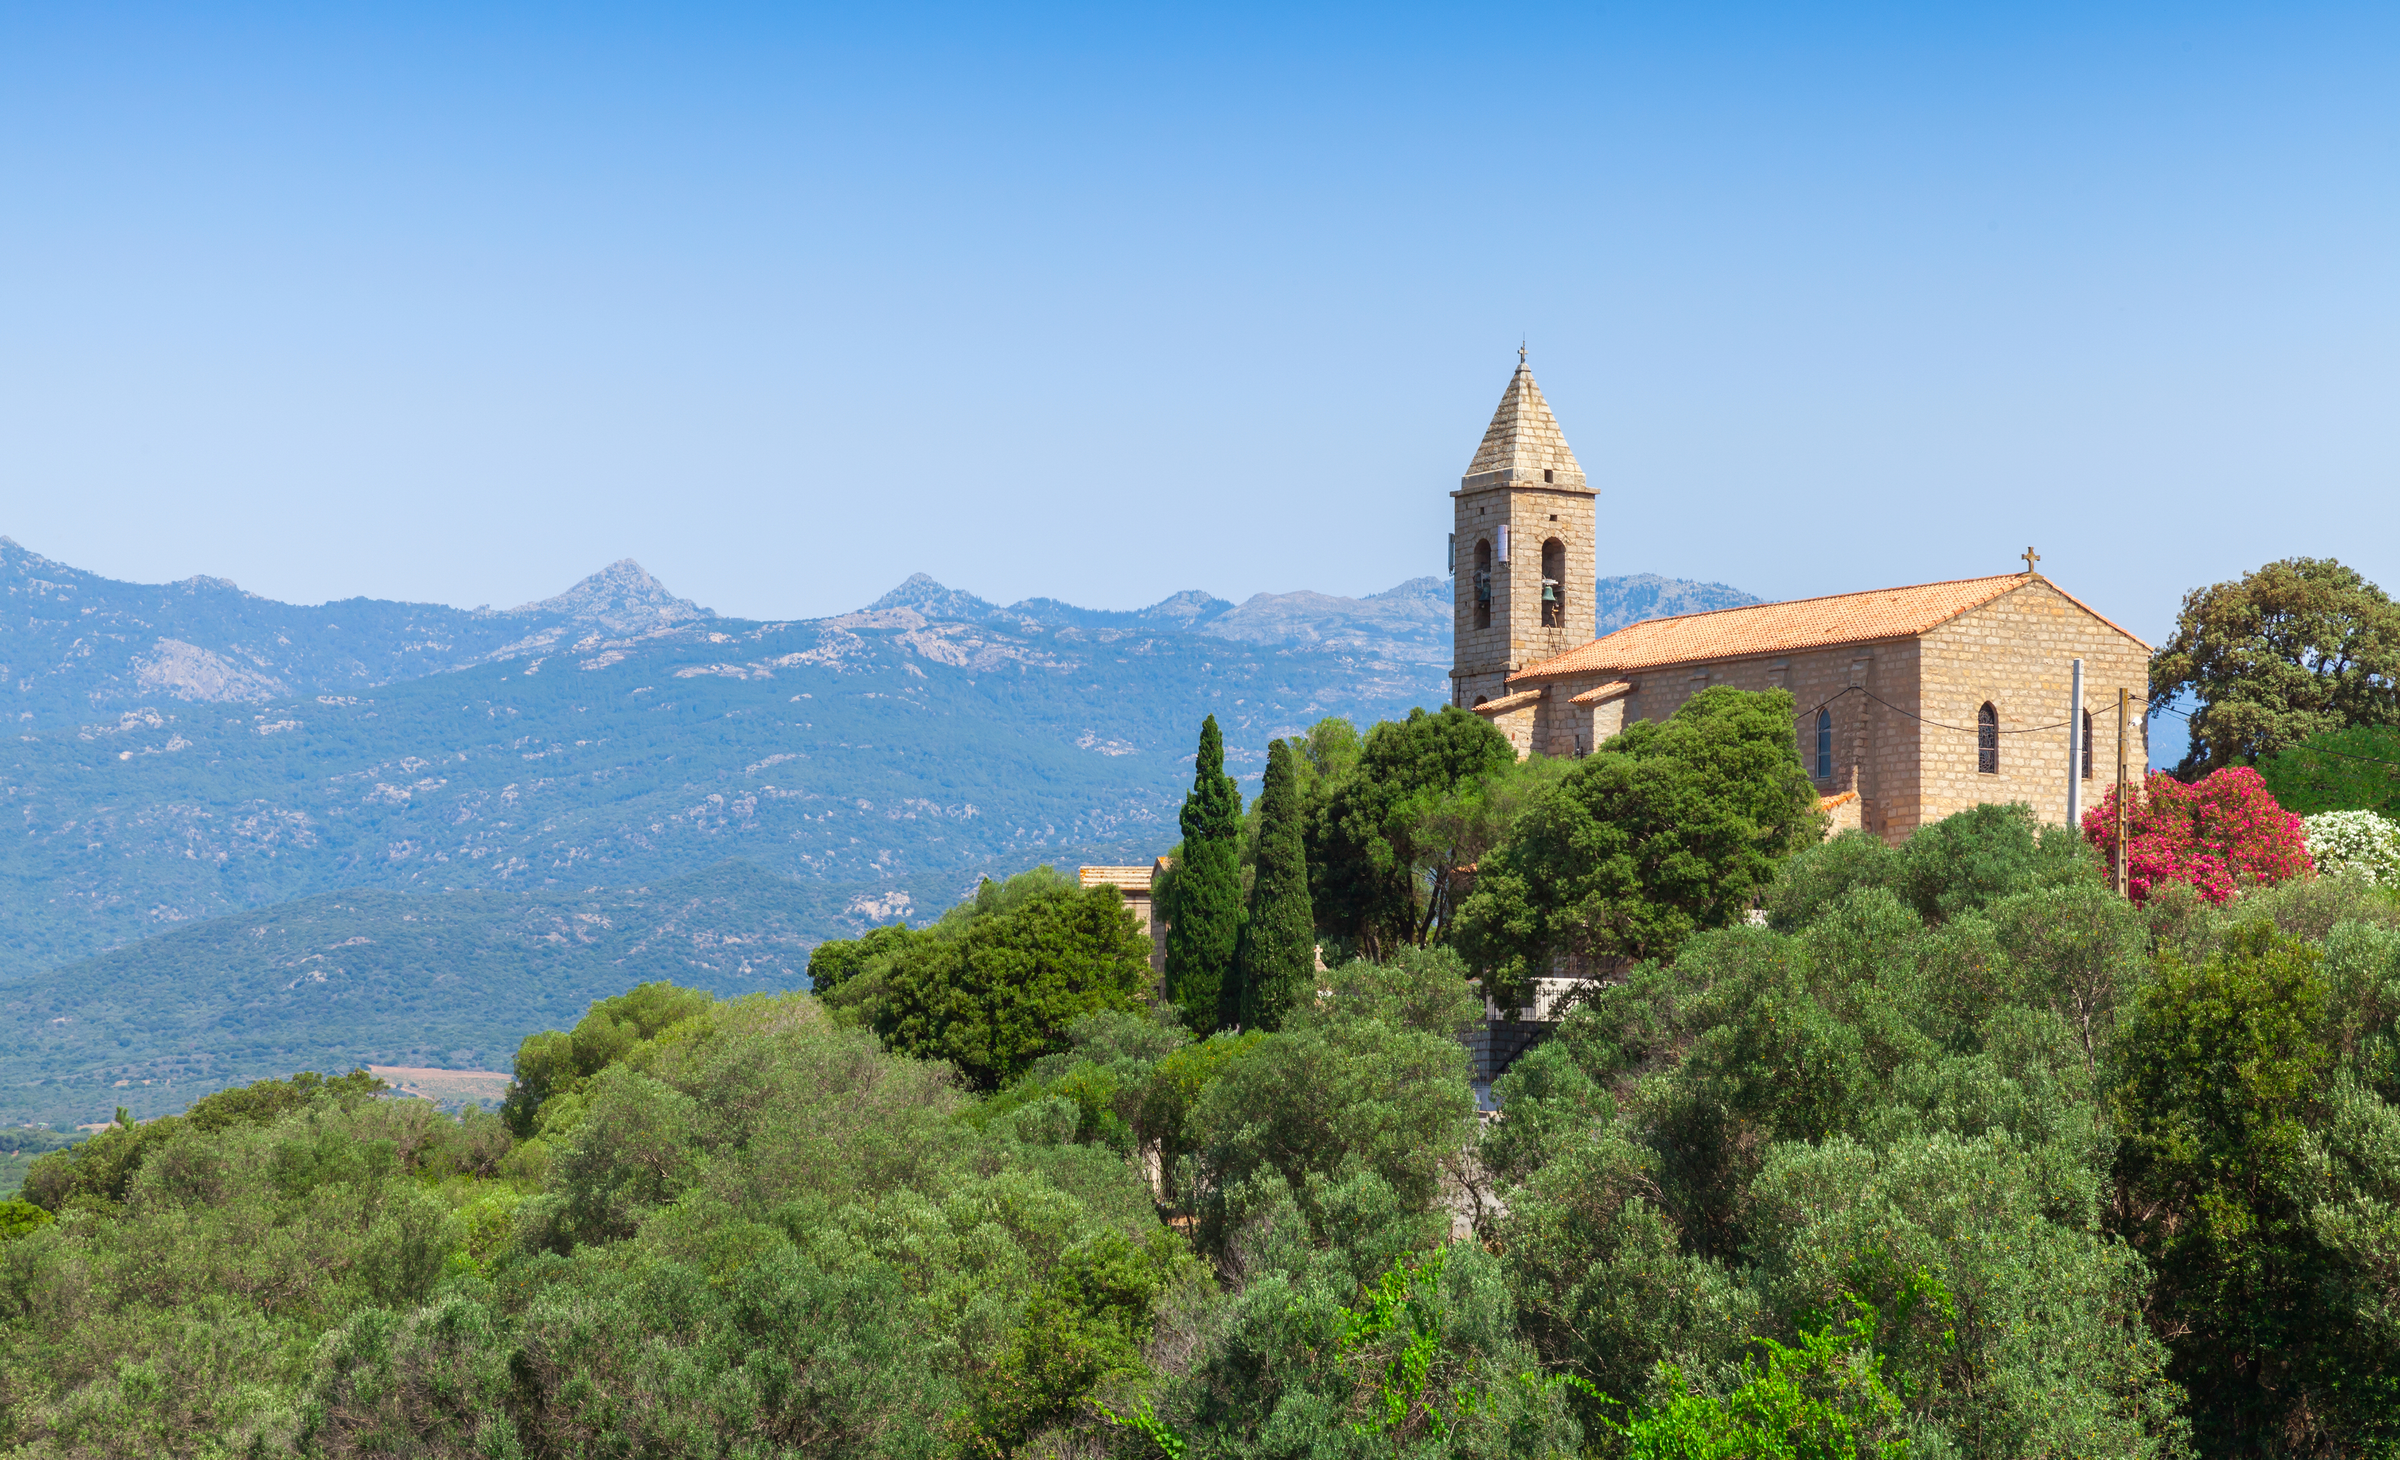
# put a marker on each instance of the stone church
(1910, 703)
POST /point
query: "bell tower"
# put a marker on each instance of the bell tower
(1522, 550)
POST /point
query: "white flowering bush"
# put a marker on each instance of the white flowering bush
(2354, 841)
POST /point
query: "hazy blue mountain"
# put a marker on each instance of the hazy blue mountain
(1408, 624)
(73, 642)
(1186, 610)
(1637, 596)
(890, 757)
(370, 977)
(188, 753)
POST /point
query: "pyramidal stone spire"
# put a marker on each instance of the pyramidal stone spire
(1523, 443)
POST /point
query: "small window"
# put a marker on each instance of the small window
(1483, 583)
(2087, 745)
(1987, 740)
(1548, 475)
(1824, 745)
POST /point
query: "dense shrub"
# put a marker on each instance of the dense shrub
(999, 980)
(1958, 1154)
(1668, 828)
(2364, 843)
(2224, 833)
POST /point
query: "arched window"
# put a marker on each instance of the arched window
(1554, 584)
(1483, 583)
(1987, 740)
(1824, 745)
(2087, 745)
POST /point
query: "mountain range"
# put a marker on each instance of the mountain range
(186, 753)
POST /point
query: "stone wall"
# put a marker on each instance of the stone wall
(1534, 514)
(1136, 884)
(2013, 651)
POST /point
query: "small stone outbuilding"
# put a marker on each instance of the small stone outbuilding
(1136, 883)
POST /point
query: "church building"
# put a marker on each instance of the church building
(1909, 703)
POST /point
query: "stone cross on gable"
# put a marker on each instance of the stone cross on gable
(2031, 557)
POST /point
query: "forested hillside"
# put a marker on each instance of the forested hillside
(1944, 1149)
(1961, 1156)
(453, 980)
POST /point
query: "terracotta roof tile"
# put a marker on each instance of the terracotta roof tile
(1779, 628)
(1601, 693)
(1828, 803)
(1505, 703)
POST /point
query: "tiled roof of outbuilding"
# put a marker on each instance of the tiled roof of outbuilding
(1599, 693)
(1127, 879)
(1505, 703)
(1779, 628)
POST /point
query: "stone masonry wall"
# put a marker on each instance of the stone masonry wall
(2015, 652)
(1874, 748)
(1534, 513)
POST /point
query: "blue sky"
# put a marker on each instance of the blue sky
(459, 303)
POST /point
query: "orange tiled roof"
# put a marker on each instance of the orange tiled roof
(1505, 703)
(1828, 803)
(1781, 628)
(1603, 692)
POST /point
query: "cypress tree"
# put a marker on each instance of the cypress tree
(1278, 967)
(1207, 917)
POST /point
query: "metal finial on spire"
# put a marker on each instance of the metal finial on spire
(1520, 351)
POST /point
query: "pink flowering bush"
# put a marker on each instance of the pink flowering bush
(2217, 835)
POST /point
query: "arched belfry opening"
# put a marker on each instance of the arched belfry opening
(1554, 584)
(1483, 583)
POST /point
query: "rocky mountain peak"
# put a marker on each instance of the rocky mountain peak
(928, 597)
(622, 598)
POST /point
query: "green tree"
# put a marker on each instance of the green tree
(1279, 942)
(1373, 1078)
(1205, 923)
(999, 988)
(2357, 769)
(1669, 828)
(1363, 855)
(1454, 828)
(1325, 758)
(838, 960)
(2290, 650)
(103, 1169)
(1823, 1400)
(555, 1062)
(18, 1217)
(2253, 1164)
